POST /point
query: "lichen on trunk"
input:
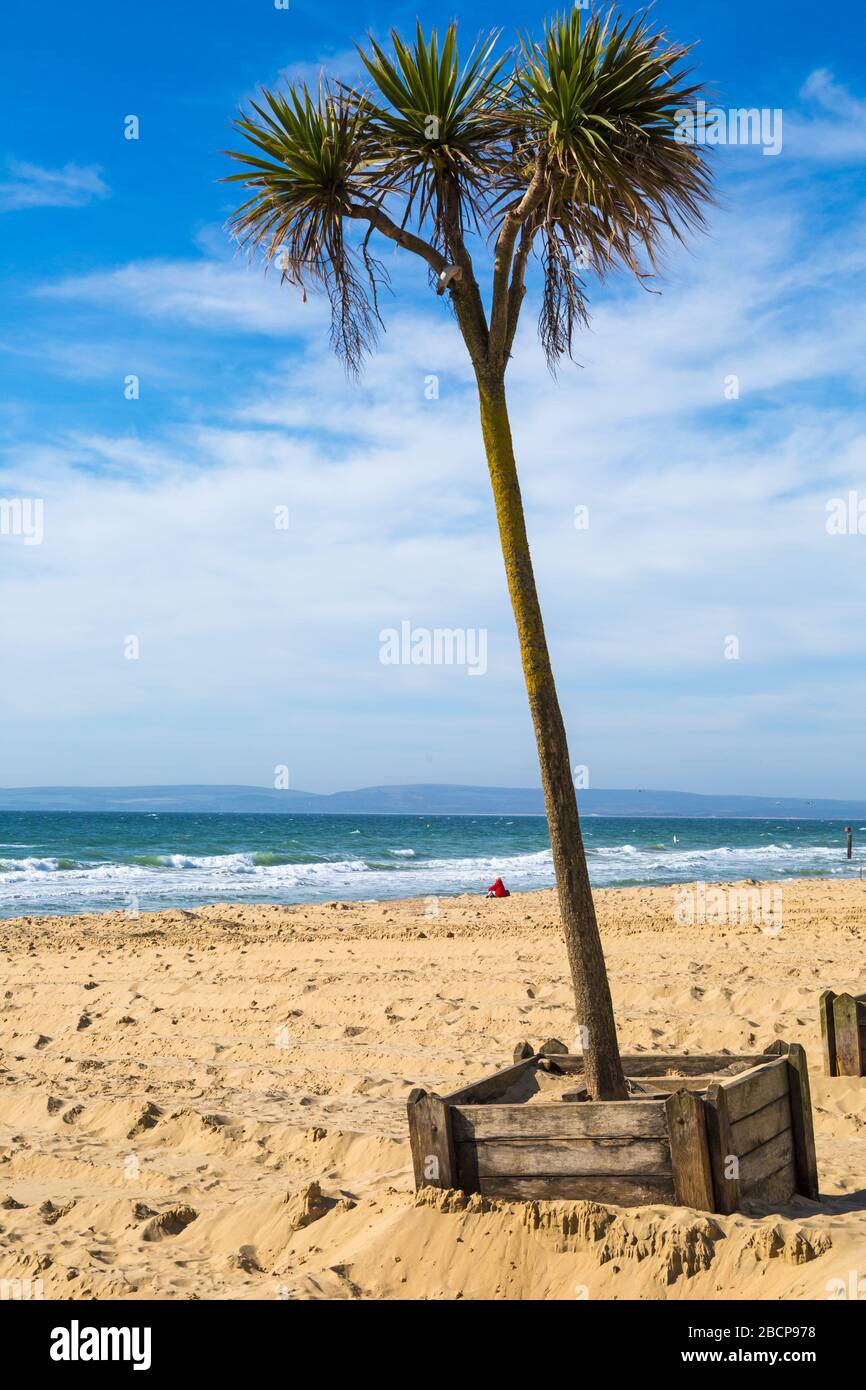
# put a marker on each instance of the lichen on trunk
(604, 1073)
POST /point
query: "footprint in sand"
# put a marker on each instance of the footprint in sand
(169, 1223)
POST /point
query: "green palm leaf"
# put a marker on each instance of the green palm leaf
(440, 125)
(314, 158)
(599, 101)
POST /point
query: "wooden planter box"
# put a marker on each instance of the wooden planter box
(843, 1033)
(691, 1139)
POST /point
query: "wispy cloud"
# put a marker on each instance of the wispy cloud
(206, 293)
(34, 186)
(707, 518)
(830, 127)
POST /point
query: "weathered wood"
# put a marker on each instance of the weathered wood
(744, 1137)
(430, 1140)
(757, 1088)
(523, 1051)
(770, 1191)
(848, 1060)
(489, 1087)
(690, 1156)
(553, 1048)
(602, 1119)
(726, 1186)
(767, 1159)
(828, 1031)
(674, 1064)
(518, 1158)
(626, 1192)
(666, 1085)
(805, 1160)
(762, 1125)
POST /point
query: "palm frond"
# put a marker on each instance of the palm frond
(439, 125)
(589, 119)
(311, 158)
(600, 99)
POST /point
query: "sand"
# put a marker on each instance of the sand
(211, 1104)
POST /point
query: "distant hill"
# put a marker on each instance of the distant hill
(426, 799)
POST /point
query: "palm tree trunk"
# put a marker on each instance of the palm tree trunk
(604, 1074)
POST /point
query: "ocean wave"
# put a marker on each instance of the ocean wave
(33, 866)
(56, 884)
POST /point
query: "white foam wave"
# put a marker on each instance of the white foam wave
(40, 884)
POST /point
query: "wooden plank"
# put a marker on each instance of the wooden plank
(433, 1158)
(726, 1186)
(690, 1156)
(756, 1088)
(489, 1087)
(669, 1063)
(777, 1187)
(626, 1192)
(828, 1031)
(767, 1159)
(801, 1123)
(526, 1158)
(762, 1125)
(667, 1085)
(603, 1119)
(848, 1061)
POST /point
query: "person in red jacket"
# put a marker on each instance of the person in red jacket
(498, 890)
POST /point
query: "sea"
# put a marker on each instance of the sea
(70, 861)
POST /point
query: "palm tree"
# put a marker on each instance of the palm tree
(568, 151)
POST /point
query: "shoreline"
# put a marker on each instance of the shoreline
(251, 912)
(247, 905)
(211, 1103)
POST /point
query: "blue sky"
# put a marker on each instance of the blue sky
(260, 647)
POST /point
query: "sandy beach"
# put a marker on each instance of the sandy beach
(211, 1104)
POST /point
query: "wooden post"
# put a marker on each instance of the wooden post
(690, 1155)
(726, 1187)
(847, 1038)
(522, 1051)
(828, 1031)
(801, 1123)
(431, 1141)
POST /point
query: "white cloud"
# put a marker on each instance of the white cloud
(832, 127)
(32, 186)
(261, 646)
(207, 293)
